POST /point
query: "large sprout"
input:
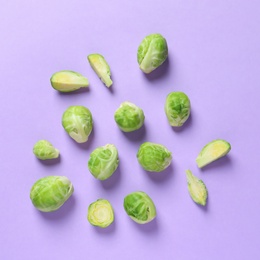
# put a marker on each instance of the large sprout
(45, 150)
(100, 213)
(152, 52)
(177, 108)
(154, 157)
(77, 122)
(139, 207)
(103, 161)
(129, 117)
(49, 193)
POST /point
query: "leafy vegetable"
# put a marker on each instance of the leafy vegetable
(44, 150)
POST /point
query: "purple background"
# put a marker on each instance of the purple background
(214, 57)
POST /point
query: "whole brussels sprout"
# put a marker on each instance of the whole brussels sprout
(100, 213)
(139, 207)
(154, 157)
(129, 117)
(103, 161)
(44, 150)
(152, 52)
(49, 193)
(177, 108)
(77, 122)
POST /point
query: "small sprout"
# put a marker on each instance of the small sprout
(100, 213)
(139, 207)
(50, 193)
(45, 150)
(152, 52)
(212, 152)
(67, 81)
(154, 157)
(103, 161)
(102, 69)
(129, 117)
(77, 122)
(177, 108)
(197, 188)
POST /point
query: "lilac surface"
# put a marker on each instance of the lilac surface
(214, 58)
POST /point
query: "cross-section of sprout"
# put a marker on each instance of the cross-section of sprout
(152, 52)
(100, 213)
(67, 81)
(154, 157)
(103, 161)
(77, 122)
(45, 150)
(101, 67)
(50, 193)
(129, 117)
(197, 188)
(177, 108)
(212, 152)
(139, 207)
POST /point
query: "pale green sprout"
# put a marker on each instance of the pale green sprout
(77, 122)
(197, 189)
(139, 207)
(50, 193)
(67, 81)
(129, 117)
(177, 108)
(152, 52)
(100, 213)
(154, 157)
(45, 150)
(212, 152)
(101, 67)
(103, 161)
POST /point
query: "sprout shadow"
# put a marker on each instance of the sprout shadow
(163, 176)
(160, 72)
(137, 135)
(113, 180)
(75, 92)
(50, 161)
(187, 124)
(88, 143)
(224, 161)
(108, 230)
(62, 212)
(151, 227)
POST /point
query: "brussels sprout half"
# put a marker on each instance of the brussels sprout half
(139, 207)
(49, 193)
(77, 122)
(152, 52)
(154, 157)
(44, 150)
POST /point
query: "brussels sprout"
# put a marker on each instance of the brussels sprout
(67, 81)
(197, 189)
(177, 108)
(139, 207)
(152, 52)
(213, 151)
(49, 193)
(102, 69)
(44, 150)
(154, 157)
(100, 213)
(129, 117)
(77, 122)
(103, 161)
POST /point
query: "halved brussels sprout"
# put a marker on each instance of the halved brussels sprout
(77, 122)
(129, 117)
(154, 157)
(101, 67)
(100, 213)
(212, 152)
(44, 150)
(152, 52)
(103, 161)
(67, 81)
(177, 108)
(197, 189)
(50, 193)
(139, 207)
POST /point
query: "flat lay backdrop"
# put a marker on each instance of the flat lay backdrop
(214, 57)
